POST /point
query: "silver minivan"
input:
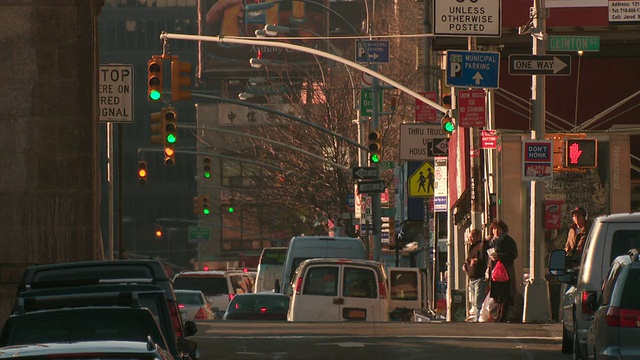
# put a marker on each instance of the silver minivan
(330, 289)
(610, 236)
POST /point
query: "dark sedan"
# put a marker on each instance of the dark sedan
(258, 306)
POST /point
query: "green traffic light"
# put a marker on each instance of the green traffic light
(375, 158)
(207, 174)
(171, 139)
(155, 95)
(205, 211)
(231, 209)
(448, 126)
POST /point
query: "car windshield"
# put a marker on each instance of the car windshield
(209, 285)
(189, 298)
(260, 303)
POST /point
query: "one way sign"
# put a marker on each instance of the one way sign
(539, 64)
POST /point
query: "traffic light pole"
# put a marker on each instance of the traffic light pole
(537, 286)
(376, 210)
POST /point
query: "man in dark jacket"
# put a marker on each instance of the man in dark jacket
(475, 266)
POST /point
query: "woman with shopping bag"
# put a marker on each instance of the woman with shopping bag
(502, 282)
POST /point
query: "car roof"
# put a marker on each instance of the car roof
(330, 238)
(64, 312)
(260, 294)
(620, 217)
(315, 261)
(211, 273)
(187, 291)
(109, 346)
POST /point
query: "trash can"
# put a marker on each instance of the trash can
(458, 305)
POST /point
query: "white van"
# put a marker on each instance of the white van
(329, 289)
(270, 269)
(302, 248)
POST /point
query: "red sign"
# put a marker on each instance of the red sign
(471, 108)
(424, 111)
(552, 214)
(488, 139)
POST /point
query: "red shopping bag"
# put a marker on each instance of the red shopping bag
(499, 272)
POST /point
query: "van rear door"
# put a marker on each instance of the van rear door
(318, 299)
(361, 296)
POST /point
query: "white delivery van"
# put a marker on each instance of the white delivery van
(302, 248)
(328, 289)
(270, 269)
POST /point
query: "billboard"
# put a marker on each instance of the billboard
(230, 18)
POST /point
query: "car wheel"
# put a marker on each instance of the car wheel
(567, 342)
(576, 344)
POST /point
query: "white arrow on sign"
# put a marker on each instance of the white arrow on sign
(478, 78)
(558, 65)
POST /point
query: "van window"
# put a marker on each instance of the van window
(622, 241)
(359, 283)
(630, 298)
(404, 285)
(321, 280)
(297, 261)
(241, 284)
(209, 285)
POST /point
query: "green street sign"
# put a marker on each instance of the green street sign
(199, 234)
(389, 212)
(573, 43)
(366, 102)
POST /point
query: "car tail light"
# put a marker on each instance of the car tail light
(175, 318)
(231, 296)
(298, 286)
(585, 309)
(180, 306)
(263, 309)
(382, 289)
(200, 315)
(617, 317)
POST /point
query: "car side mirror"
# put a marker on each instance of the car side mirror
(189, 347)
(288, 290)
(557, 263)
(190, 328)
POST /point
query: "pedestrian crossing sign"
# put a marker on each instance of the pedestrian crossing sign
(421, 182)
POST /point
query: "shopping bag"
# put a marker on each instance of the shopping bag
(489, 311)
(499, 272)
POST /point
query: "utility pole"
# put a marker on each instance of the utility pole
(537, 307)
(376, 210)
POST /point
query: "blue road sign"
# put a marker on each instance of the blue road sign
(377, 51)
(473, 69)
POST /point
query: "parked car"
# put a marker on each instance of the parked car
(87, 350)
(258, 306)
(302, 248)
(218, 286)
(93, 323)
(101, 272)
(193, 305)
(329, 289)
(615, 330)
(610, 236)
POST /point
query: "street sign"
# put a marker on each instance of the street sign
(539, 64)
(389, 212)
(537, 161)
(116, 93)
(365, 187)
(480, 18)
(473, 69)
(366, 102)
(424, 111)
(471, 108)
(573, 43)
(199, 234)
(441, 187)
(439, 147)
(488, 139)
(376, 52)
(416, 140)
(361, 173)
(422, 182)
(624, 11)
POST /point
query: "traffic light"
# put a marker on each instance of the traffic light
(206, 209)
(206, 168)
(169, 155)
(448, 125)
(157, 128)
(375, 146)
(179, 80)
(158, 232)
(142, 172)
(155, 77)
(170, 122)
(581, 153)
(231, 207)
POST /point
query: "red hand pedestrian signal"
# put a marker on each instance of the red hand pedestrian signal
(574, 153)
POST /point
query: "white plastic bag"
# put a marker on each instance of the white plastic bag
(489, 311)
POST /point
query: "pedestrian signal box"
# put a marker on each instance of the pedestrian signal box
(581, 153)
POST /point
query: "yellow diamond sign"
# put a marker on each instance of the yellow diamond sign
(422, 181)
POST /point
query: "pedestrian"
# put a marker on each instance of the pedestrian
(578, 231)
(504, 251)
(475, 266)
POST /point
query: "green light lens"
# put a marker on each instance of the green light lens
(375, 158)
(231, 209)
(207, 174)
(205, 211)
(171, 139)
(448, 126)
(155, 95)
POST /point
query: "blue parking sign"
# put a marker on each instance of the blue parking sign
(473, 69)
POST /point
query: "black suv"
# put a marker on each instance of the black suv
(82, 275)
